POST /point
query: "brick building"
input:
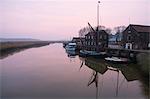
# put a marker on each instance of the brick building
(136, 37)
(96, 41)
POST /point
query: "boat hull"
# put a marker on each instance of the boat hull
(70, 47)
(92, 54)
(117, 60)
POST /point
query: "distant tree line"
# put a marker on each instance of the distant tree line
(115, 33)
(117, 30)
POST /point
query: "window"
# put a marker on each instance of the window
(88, 43)
(129, 31)
(100, 36)
(92, 43)
(129, 37)
(99, 43)
(105, 37)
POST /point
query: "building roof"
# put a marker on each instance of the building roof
(77, 39)
(140, 28)
(93, 33)
(90, 33)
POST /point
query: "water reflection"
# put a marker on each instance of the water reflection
(9, 52)
(71, 54)
(6, 53)
(52, 72)
(125, 73)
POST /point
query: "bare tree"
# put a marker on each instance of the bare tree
(85, 30)
(118, 30)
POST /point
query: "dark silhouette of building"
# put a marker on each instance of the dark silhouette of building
(96, 41)
(136, 37)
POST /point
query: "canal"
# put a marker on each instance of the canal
(48, 72)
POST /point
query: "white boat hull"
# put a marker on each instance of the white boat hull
(116, 59)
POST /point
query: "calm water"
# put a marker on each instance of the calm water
(48, 73)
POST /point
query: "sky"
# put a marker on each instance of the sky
(62, 19)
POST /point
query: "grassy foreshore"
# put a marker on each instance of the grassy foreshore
(21, 44)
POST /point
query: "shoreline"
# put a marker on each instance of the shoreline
(21, 44)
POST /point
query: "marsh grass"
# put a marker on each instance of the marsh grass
(21, 44)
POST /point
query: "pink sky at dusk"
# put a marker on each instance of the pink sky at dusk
(62, 19)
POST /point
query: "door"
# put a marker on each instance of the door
(128, 46)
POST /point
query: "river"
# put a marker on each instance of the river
(48, 72)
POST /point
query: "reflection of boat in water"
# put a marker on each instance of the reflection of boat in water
(96, 65)
(101, 67)
(117, 59)
(94, 79)
(71, 54)
(128, 71)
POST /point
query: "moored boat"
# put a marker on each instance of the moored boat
(117, 59)
(83, 53)
(92, 53)
(71, 47)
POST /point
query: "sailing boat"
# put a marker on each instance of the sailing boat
(95, 41)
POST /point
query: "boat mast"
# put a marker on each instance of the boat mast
(97, 26)
(98, 14)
